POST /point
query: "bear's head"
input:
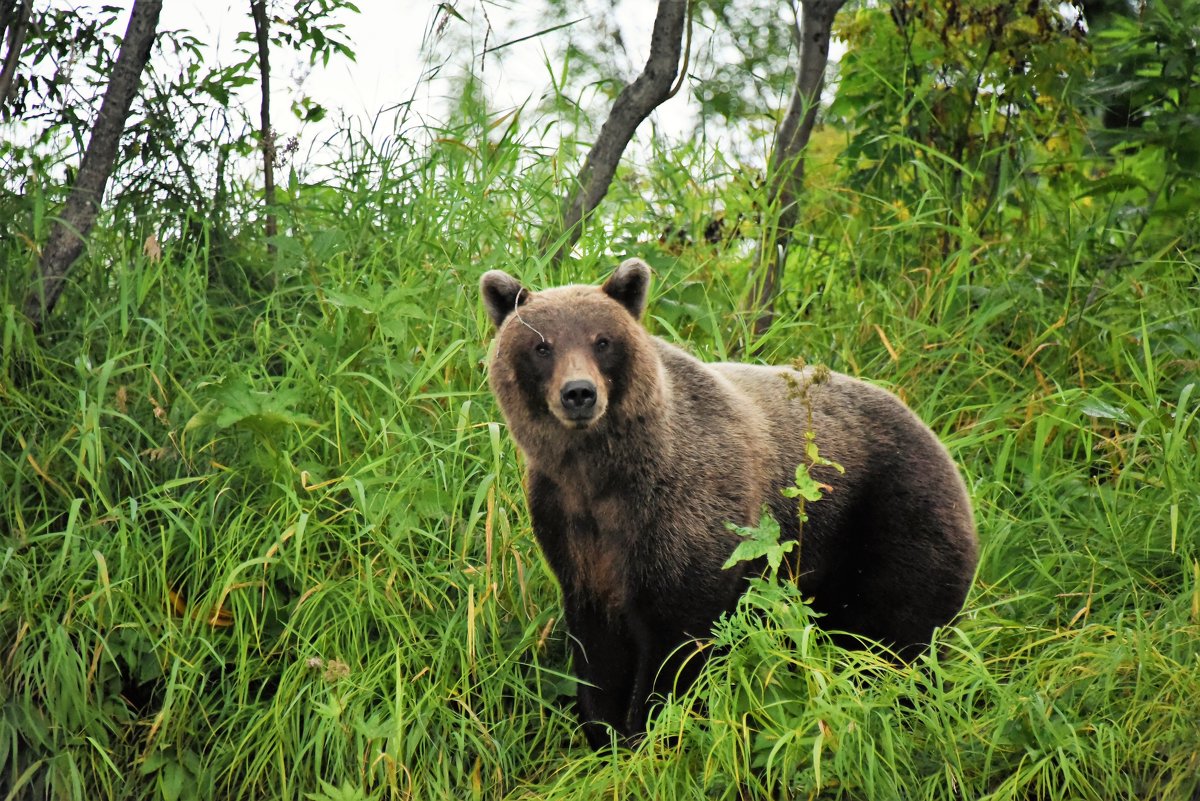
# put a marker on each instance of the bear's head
(572, 357)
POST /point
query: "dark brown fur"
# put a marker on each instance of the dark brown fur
(629, 505)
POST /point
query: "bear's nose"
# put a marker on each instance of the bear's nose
(578, 396)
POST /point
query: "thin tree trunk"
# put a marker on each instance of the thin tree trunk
(633, 104)
(261, 33)
(17, 26)
(67, 236)
(786, 170)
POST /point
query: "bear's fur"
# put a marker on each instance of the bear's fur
(637, 454)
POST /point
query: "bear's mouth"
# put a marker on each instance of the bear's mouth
(577, 422)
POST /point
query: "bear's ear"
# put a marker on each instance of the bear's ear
(629, 286)
(501, 294)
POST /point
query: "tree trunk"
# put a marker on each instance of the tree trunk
(785, 173)
(633, 104)
(67, 236)
(16, 25)
(261, 34)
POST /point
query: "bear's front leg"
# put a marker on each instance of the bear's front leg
(612, 661)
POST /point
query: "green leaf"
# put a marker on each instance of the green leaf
(331, 792)
(747, 551)
(238, 404)
(1112, 184)
(1100, 410)
(806, 486)
(173, 777)
(760, 541)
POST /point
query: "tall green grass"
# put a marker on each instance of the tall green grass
(264, 532)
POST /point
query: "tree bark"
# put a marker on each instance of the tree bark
(16, 25)
(633, 104)
(785, 173)
(261, 34)
(67, 235)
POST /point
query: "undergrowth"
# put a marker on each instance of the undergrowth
(264, 533)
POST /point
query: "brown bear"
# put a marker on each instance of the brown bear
(637, 455)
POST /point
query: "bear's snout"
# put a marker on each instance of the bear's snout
(575, 390)
(579, 399)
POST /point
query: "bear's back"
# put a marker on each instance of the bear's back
(898, 520)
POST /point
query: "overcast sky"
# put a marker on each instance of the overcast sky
(395, 49)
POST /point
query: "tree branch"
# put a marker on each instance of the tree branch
(17, 27)
(786, 169)
(261, 34)
(633, 104)
(66, 237)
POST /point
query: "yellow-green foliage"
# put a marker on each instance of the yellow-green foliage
(264, 534)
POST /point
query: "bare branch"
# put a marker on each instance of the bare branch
(17, 27)
(786, 170)
(258, 8)
(67, 236)
(633, 104)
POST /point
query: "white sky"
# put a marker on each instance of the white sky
(388, 37)
(397, 51)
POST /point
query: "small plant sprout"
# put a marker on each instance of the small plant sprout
(761, 540)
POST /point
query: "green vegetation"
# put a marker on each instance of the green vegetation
(262, 532)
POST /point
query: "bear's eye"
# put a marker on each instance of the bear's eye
(602, 343)
(542, 349)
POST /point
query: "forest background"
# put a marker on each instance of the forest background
(262, 533)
